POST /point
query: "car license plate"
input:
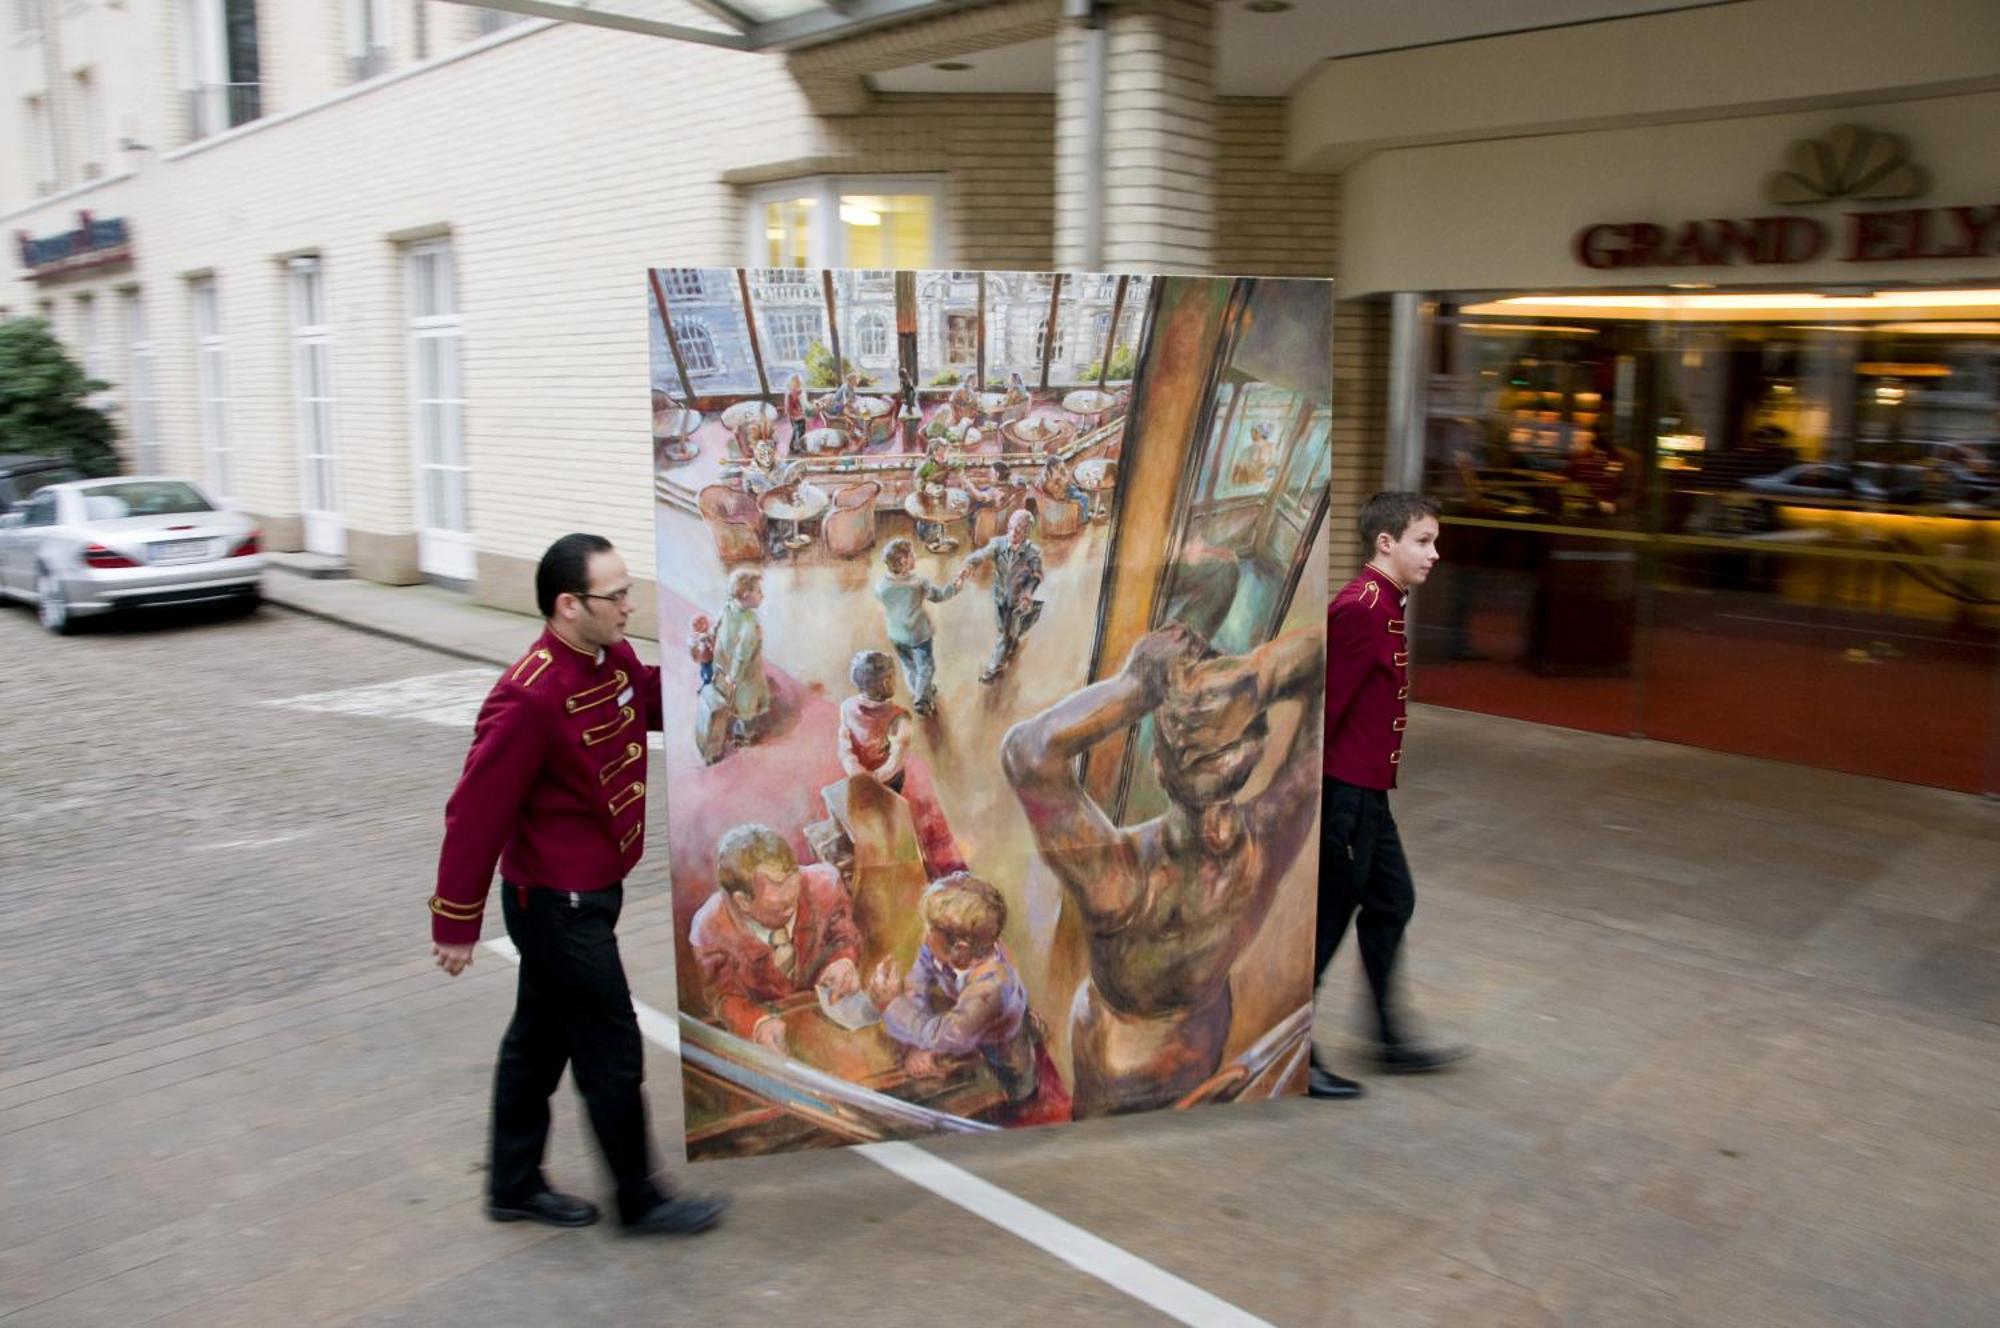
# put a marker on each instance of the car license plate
(179, 551)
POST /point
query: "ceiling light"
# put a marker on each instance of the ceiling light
(855, 215)
(952, 66)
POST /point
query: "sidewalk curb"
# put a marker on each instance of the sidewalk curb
(370, 629)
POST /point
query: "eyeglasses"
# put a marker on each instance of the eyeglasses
(615, 597)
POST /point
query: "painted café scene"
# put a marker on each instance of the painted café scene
(810, 414)
(939, 547)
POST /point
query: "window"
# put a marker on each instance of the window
(41, 145)
(685, 283)
(437, 395)
(490, 21)
(882, 224)
(961, 338)
(89, 335)
(142, 418)
(92, 151)
(697, 346)
(1051, 348)
(871, 341)
(212, 371)
(312, 384)
(219, 64)
(40, 510)
(790, 332)
(96, 362)
(367, 38)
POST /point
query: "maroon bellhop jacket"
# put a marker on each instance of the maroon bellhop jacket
(554, 788)
(1367, 681)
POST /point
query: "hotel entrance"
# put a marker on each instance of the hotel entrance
(1763, 521)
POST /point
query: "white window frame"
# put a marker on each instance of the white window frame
(316, 417)
(93, 154)
(442, 550)
(370, 38)
(212, 373)
(205, 66)
(90, 337)
(825, 246)
(39, 127)
(142, 406)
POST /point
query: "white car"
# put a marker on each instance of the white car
(92, 546)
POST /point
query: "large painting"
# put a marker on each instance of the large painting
(993, 707)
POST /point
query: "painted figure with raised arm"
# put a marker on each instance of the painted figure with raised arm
(1168, 905)
(1017, 575)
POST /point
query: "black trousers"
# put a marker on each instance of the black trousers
(1363, 876)
(572, 1008)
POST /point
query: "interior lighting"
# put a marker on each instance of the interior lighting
(1894, 369)
(856, 215)
(1745, 304)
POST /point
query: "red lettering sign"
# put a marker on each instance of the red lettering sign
(1871, 237)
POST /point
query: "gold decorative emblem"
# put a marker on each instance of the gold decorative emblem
(598, 695)
(631, 835)
(452, 912)
(1850, 162)
(609, 728)
(531, 666)
(631, 794)
(1370, 592)
(633, 751)
(1395, 627)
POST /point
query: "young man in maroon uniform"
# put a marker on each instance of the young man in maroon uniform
(554, 791)
(1362, 869)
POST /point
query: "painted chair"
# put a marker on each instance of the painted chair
(735, 521)
(850, 522)
(1058, 518)
(990, 522)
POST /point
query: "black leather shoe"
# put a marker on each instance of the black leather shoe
(1408, 1058)
(682, 1215)
(557, 1210)
(1324, 1083)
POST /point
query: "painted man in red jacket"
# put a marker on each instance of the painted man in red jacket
(554, 792)
(1363, 873)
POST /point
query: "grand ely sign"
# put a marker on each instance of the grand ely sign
(1849, 163)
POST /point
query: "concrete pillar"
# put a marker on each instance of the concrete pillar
(1155, 186)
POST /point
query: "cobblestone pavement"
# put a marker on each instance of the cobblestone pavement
(1738, 1030)
(172, 844)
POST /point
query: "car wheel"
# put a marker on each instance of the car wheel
(52, 605)
(248, 602)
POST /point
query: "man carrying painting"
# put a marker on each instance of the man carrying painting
(1168, 905)
(554, 792)
(1363, 873)
(772, 929)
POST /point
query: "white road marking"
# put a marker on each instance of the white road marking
(1179, 1300)
(451, 700)
(253, 843)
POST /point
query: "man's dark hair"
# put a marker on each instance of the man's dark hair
(1390, 513)
(565, 569)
